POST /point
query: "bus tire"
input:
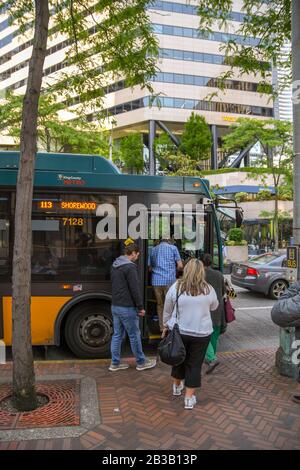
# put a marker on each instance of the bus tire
(88, 330)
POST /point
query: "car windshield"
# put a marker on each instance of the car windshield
(264, 259)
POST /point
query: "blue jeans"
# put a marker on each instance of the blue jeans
(126, 319)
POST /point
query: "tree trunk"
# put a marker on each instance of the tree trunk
(24, 393)
(48, 140)
(276, 221)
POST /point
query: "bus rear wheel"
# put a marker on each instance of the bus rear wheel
(88, 330)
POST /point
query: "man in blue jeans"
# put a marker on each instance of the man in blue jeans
(127, 306)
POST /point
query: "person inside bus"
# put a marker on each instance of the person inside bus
(195, 300)
(164, 262)
(127, 307)
(84, 253)
(42, 265)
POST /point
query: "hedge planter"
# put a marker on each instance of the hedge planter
(236, 253)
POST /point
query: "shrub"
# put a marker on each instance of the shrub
(236, 237)
(241, 197)
(230, 243)
(285, 193)
(264, 195)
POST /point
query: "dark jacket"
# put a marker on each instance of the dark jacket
(216, 279)
(286, 311)
(125, 284)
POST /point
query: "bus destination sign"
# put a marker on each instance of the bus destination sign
(67, 205)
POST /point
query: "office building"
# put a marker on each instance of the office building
(283, 105)
(189, 64)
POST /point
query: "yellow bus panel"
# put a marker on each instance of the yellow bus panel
(44, 311)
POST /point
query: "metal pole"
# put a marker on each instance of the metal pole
(214, 149)
(110, 146)
(284, 353)
(170, 134)
(296, 121)
(152, 163)
(247, 159)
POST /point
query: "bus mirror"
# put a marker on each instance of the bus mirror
(239, 217)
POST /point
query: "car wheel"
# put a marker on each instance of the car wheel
(277, 289)
(89, 329)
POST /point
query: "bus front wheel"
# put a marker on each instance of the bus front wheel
(88, 330)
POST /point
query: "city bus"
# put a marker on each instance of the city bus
(71, 263)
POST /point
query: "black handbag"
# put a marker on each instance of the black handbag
(171, 349)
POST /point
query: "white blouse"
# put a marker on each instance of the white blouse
(194, 318)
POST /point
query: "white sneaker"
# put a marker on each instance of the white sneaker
(148, 364)
(115, 367)
(190, 402)
(177, 389)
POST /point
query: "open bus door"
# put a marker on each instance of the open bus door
(229, 214)
(199, 223)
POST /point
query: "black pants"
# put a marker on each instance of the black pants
(190, 369)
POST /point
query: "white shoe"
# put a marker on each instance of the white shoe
(148, 364)
(115, 367)
(177, 389)
(190, 402)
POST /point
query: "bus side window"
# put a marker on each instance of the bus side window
(4, 246)
(185, 230)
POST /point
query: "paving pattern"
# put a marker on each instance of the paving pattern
(61, 410)
(243, 404)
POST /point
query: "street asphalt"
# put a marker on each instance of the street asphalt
(253, 328)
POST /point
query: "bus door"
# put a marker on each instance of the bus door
(228, 215)
(190, 232)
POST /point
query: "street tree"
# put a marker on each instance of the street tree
(284, 219)
(268, 22)
(54, 134)
(274, 23)
(276, 139)
(163, 147)
(180, 164)
(108, 40)
(196, 140)
(131, 153)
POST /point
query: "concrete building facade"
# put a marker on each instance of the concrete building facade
(283, 105)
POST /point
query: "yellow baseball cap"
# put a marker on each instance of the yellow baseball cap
(129, 241)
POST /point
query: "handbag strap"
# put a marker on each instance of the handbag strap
(177, 308)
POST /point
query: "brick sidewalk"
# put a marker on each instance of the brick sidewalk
(244, 404)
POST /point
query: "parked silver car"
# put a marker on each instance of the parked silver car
(265, 273)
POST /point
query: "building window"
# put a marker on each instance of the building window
(213, 36)
(189, 9)
(183, 103)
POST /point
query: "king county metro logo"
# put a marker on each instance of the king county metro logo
(73, 180)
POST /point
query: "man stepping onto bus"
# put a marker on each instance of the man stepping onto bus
(164, 260)
(127, 307)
